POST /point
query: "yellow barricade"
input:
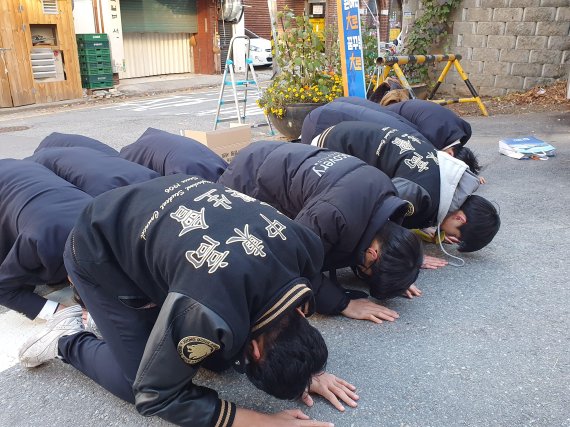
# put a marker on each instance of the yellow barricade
(393, 63)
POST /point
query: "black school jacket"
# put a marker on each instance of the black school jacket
(411, 162)
(37, 211)
(339, 197)
(441, 126)
(349, 109)
(168, 154)
(222, 266)
(59, 140)
(90, 170)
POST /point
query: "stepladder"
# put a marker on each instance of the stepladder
(239, 87)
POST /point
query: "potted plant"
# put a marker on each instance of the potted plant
(309, 76)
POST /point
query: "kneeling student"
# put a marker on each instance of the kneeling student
(442, 127)
(351, 206)
(180, 273)
(439, 186)
(61, 140)
(37, 211)
(90, 170)
(168, 154)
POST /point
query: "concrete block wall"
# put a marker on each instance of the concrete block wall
(508, 45)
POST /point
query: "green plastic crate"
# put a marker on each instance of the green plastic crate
(92, 37)
(93, 44)
(96, 68)
(99, 85)
(97, 78)
(95, 52)
(94, 59)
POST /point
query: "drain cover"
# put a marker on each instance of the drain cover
(13, 129)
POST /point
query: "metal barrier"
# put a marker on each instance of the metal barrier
(393, 62)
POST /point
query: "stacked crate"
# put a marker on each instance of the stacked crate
(95, 61)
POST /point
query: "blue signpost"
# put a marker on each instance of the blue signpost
(352, 61)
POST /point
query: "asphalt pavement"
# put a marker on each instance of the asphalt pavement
(486, 345)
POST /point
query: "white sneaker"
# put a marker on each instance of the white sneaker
(42, 346)
(90, 326)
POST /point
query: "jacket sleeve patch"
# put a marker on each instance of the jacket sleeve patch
(410, 210)
(195, 349)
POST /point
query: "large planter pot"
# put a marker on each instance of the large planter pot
(291, 123)
(420, 91)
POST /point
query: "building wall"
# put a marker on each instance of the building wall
(297, 6)
(256, 14)
(205, 38)
(83, 19)
(509, 45)
(256, 17)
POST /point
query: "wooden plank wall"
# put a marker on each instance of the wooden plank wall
(71, 87)
(16, 16)
(5, 95)
(20, 78)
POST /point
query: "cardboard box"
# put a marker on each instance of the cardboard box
(224, 142)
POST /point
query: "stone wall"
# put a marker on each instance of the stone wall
(510, 45)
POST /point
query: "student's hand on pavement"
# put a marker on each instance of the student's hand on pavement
(482, 180)
(412, 291)
(430, 231)
(452, 240)
(432, 262)
(287, 418)
(331, 388)
(363, 309)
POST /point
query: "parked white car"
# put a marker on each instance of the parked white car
(259, 49)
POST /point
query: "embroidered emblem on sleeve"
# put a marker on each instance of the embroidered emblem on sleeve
(410, 210)
(195, 349)
(189, 219)
(207, 254)
(251, 244)
(274, 228)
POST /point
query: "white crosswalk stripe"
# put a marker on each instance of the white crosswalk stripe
(179, 101)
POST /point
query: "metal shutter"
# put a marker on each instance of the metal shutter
(159, 16)
(225, 30)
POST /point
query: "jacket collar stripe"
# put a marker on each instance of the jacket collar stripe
(280, 302)
(225, 414)
(290, 298)
(222, 413)
(323, 137)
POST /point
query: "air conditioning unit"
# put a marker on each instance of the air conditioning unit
(231, 10)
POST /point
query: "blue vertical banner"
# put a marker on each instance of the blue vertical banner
(352, 61)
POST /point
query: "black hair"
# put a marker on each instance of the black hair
(467, 156)
(482, 224)
(76, 298)
(400, 260)
(377, 94)
(293, 351)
